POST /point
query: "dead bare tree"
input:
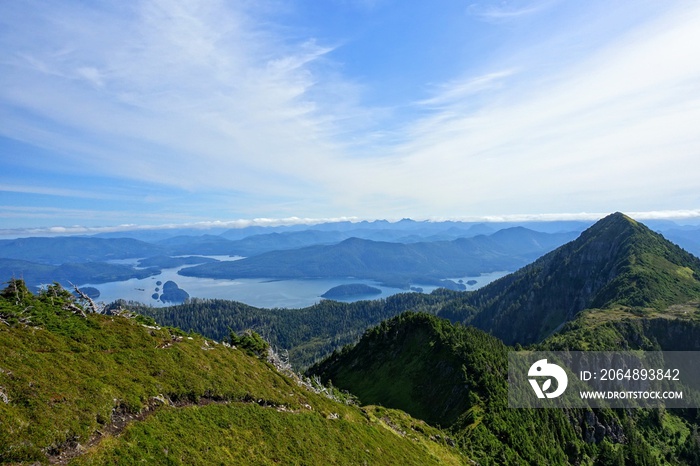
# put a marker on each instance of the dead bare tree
(75, 309)
(87, 299)
(279, 359)
(3, 396)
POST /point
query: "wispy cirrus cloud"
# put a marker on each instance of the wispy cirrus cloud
(507, 10)
(65, 192)
(457, 91)
(169, 88)
(617, 123)
(33, 189)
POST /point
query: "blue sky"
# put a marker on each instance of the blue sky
(164, 112)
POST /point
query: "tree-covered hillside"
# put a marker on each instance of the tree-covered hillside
(615, 263)
(309, 334)
(456, 377)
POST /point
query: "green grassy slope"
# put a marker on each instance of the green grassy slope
(676, 328)
(238, 433)
(110, 389)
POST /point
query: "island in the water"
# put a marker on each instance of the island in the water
(172, 293)
(351, 290)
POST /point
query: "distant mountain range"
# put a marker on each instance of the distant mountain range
(321, 252)
(403, 252)
(394, 264)
(75, 249)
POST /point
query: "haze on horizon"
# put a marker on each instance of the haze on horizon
(165, 112)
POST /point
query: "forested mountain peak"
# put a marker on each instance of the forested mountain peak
(419, 363)
(615, 262)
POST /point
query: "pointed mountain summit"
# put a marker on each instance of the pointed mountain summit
(616, 262)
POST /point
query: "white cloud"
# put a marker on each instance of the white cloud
(205, 225)
(92, 75)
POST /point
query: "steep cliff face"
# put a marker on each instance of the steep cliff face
(672, 335)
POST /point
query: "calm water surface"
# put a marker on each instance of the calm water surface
(255, 292)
